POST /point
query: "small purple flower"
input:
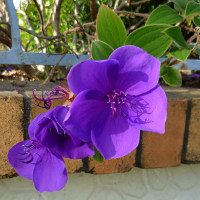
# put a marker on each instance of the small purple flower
(40, 158)
(9, 68)
(33, 161)
(195, 75)
(116, 98)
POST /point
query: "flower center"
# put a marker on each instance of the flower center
(52, 129)
(134, 108)
(117, 99)
(31, 152)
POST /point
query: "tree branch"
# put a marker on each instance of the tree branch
(41, 17)
(30, 27)
(126, 4)
(5, 41)
(132, 14)
(71, 30)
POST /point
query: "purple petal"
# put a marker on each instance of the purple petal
(93, 75)
(50, 174)
(33, 125)
(149, 111)
(75, 148)
(61, 143)
(83, 112)
(24, 160)
(55, 124)
(136, 61)
(114, 137)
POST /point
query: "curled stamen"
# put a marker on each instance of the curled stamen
(60, 92)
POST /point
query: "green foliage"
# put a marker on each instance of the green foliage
(180, 4)
(173, 77)
(175, 33)
(180, 54)
(100, 50)
(163, 70)
(110, 28)
(150, 38)
(97, 156)
(164, 15)
(192, 8)
(196, 20)
(165, 32)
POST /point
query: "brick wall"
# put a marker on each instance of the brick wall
(180, 143)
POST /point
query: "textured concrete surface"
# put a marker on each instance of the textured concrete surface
(174, 183)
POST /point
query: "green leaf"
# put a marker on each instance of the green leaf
(196, 20)
(180, 54)
(181, 4)
(192, 8)
(175, 33)
(173, 77)
(110, 28)
(163, 70)
(97, 156)
(100, 50)
(164, 15)
(150, 38)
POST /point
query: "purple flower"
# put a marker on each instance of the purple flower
(116, 98)
(195, 75)
(9, 68)
(40, 158)
(35, 162)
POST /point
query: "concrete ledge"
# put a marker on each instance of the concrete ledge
(180, 143)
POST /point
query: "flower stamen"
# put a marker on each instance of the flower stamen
(60, 92)
(131, 107)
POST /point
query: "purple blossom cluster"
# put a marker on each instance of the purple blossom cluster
(115, 99)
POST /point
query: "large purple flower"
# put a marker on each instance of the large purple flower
(116, 98)
(40, 158)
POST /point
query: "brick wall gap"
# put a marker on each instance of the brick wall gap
(139, 152)
(27, 112)
(85, 167)
(185, 139)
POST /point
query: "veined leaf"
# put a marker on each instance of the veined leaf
(110, 28)
(100, 50)
(150, 38)
(180, 54)
(173, 77)
(164, 15)
(181, 3)
(196, 20)
(192, 8)
(163, 70)
(175, 33)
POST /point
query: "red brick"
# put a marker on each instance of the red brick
(11, 119)
(123, 164)
(73, 165)
(165, 150)
(193, 141)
